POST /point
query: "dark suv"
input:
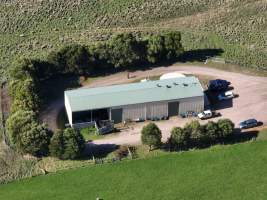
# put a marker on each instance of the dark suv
(248, 123)
(218, 85)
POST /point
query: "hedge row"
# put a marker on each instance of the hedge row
(192, 135)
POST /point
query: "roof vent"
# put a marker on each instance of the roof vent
(158, 85)
(175, 83)
(185, 84)
(168, 86)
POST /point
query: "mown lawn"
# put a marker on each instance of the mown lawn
(222, 172)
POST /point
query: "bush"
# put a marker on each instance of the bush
(26, 135)
(212, 131)
(18, 123)
(24, 94)
(195, 130)
(195, 135)
(179, 138)
(67, 144)
(121, 152)
(56, 147)
(151, 135)
(36, 140)
(226, 128)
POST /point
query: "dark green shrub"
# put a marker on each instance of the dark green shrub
(26, 135)
(179, 138)
(212, 131)
(18, 123)
(24, 94)
(35, 141)
(195, 130)
(226, 127)
(56, 147)
(67, 144)
(151, 135)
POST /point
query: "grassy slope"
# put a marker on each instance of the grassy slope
(239, 27)
(222, 172)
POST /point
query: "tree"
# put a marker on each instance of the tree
(196, 132)
(212, 131)
(67, 144)
(179, 137)
(165, 46)
(21, 69)
(100, 55)
(173, 45)
(18, 123)
(56, 147)
(226, 127)
(123, 50)
(151, 135)
(24, 94)
(155, 48)
(26, 135)
(35, 141)
(71, 59)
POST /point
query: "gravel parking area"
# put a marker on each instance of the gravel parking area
(251, 102)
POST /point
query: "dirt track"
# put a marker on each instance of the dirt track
(251, 103)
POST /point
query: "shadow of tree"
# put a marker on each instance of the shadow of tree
(200, 55)
(239, 137)
(99, 150)
(54, 87)
(236, 137)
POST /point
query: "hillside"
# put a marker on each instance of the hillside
(34, 28)
(236, 170)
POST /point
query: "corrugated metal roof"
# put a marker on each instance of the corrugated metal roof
(133, 93)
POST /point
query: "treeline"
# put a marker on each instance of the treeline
(192, 135)
(26, 77)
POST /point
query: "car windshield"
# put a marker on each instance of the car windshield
(251, 121)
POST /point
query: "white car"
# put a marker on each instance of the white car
(205, 114)
(226, 95)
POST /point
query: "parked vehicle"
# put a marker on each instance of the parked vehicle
(206, 114)
(225, 96)
(188, 114)
(218, 85)
(248, 123)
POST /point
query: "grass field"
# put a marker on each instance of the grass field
(238, 28)
(221, 172)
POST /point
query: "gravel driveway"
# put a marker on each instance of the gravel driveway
(251, 103)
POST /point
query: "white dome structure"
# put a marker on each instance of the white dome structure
(172, 75)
